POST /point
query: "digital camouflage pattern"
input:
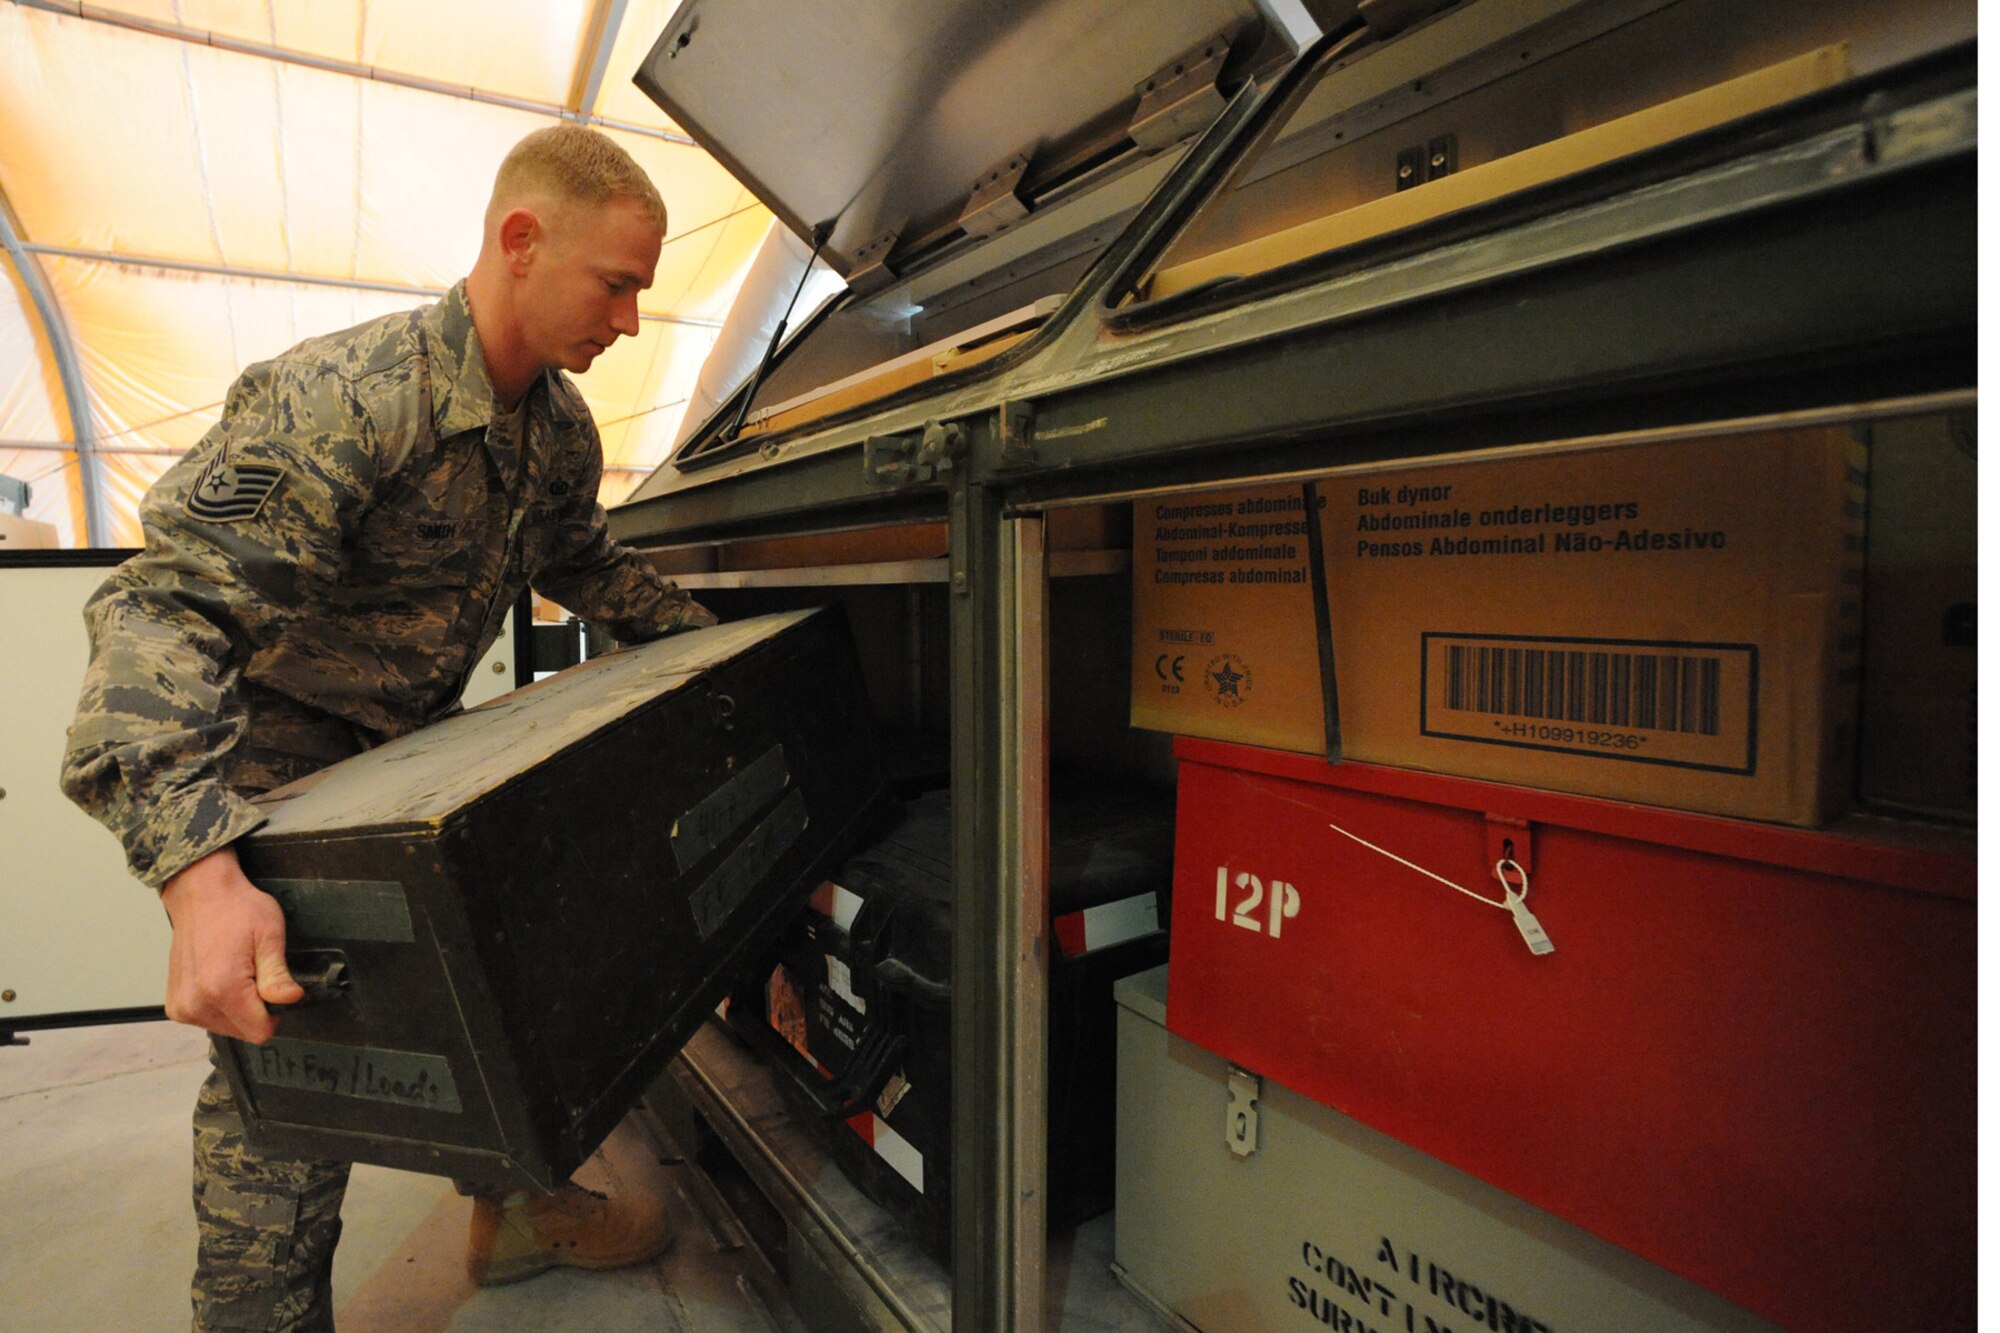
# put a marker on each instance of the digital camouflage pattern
(326, 567)
(268, 1227)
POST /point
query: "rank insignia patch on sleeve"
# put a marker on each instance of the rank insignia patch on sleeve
(231, 492)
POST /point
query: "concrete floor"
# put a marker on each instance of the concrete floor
(97, 1231)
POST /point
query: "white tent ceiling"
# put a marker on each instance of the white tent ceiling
(187, 186)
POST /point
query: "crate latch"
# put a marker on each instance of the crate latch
(1239, 1123)
(914, 456)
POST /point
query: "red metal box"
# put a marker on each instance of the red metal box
(1749, 1057)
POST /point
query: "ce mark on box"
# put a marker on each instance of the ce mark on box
(1171, 668)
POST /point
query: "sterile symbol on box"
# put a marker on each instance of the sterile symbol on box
(1279, 904)
(1228, 680)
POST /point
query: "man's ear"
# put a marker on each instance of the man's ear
(521, 238)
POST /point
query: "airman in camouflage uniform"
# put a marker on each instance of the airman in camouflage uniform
(321, 573)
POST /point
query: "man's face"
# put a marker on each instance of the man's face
(582, 291)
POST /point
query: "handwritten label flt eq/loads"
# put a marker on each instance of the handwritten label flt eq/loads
(397, 1078)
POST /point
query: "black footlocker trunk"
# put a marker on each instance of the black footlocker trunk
(853, 1008)
(510, 921)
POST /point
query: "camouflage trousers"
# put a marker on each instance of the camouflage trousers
(267, 1226)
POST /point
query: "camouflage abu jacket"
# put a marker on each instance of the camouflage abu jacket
(336, 554)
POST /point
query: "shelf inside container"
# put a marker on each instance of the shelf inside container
(843, 1245)
(1062, 564)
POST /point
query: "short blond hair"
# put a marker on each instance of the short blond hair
(572, 164)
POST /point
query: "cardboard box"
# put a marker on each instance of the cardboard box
(1103, 527)
(1673, 624)
(1226, 629)
(25, 534)
(1749, 1057)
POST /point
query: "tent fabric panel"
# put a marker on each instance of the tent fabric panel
(781, 283)
(155, 151)
(319, 165)
(70, 181)
(293, 169)
(701, 269)
(638, 390)
(516, 48)
(427, 167)
(253, 164)
(160, 348)
(31, 394)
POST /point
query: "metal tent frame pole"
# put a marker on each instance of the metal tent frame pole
(599, 35)
(96, 513)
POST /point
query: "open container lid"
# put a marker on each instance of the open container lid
(910, 129)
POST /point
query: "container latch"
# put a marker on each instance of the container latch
(1239, 1124)
(914, 456)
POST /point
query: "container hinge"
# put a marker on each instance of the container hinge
(1182, 97)
(914, 456)
(1017, 434)
(871, 265)
(1239, 1122)
(995, 203)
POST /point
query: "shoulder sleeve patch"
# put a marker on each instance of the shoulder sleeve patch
(228, 492)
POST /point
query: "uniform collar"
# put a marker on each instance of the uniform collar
(462, 396)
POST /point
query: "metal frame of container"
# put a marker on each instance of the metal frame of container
(1816, 264)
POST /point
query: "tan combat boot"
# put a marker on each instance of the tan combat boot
(518, 1235)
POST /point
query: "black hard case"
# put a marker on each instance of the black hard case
(1107, 842)
(529, 907)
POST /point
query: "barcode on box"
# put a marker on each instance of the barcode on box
(1655, 691)
(1684, 704)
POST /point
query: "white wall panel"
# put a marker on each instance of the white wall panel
(77, 932)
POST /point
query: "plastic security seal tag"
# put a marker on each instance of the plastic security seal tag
(1515, 901)
(1525, 921)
